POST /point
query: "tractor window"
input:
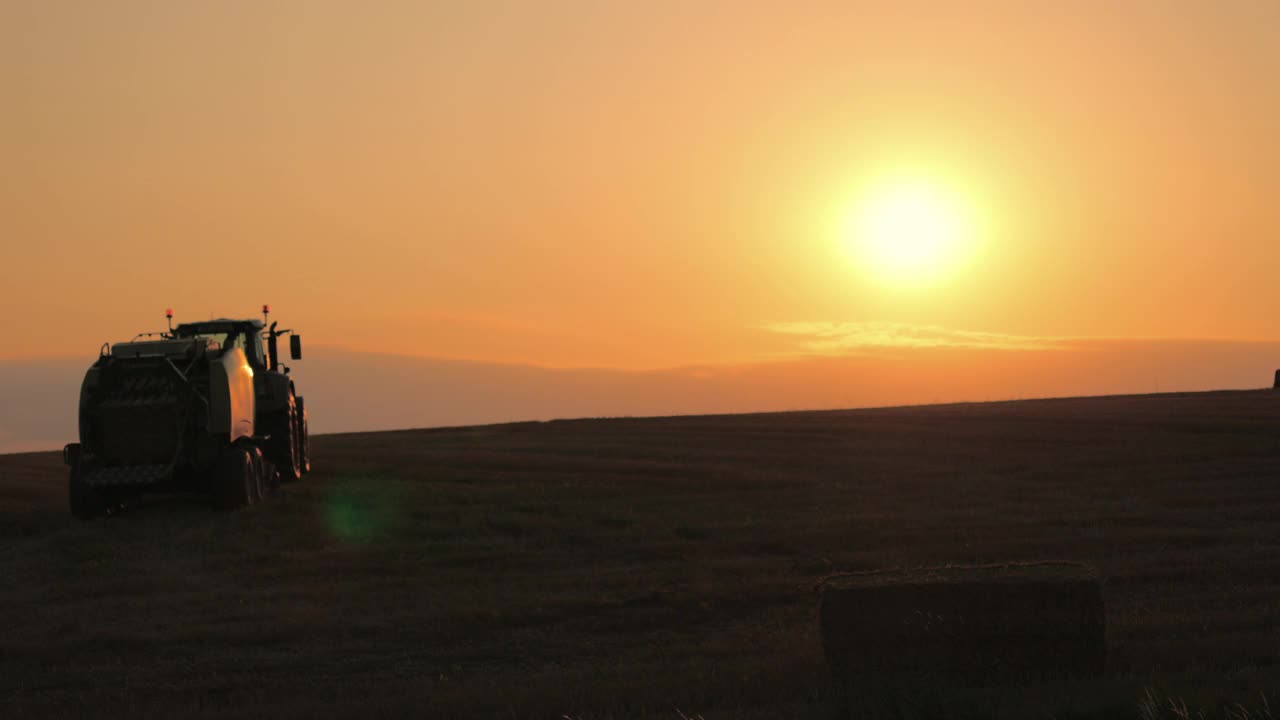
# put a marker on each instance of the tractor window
(240, 340)
(218, 337)
(244, 338)
(254, 351)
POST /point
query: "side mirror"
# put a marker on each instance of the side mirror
(295, 347)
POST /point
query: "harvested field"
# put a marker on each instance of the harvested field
(626, 568)
(964, 624)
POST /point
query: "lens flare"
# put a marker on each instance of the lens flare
(360, 510)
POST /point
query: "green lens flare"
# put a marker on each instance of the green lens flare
(361, 509)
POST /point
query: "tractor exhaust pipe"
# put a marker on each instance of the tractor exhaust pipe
(273, 357)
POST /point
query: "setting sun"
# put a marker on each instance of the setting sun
(909, 231)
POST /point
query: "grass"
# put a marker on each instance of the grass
(1158, 706)
(644, 568)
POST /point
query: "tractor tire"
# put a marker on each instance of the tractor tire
(260, 487)
(270, 478)
(235, 480)
(284, 441)
(86, 502)
(304, 439)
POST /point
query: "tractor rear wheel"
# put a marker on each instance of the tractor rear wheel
(304, 439)
(284, 440)
(86, 502)
(235, 480)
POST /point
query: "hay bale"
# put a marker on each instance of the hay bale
(983, 623)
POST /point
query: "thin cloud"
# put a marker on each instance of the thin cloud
(840, 338)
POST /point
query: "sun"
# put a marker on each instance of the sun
(909, 230)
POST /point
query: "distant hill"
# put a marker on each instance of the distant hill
(352, 391)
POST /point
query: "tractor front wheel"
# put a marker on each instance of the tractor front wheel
(236, 479)
(268, 481)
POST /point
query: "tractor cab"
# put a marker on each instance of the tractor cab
(252, 336)
(280, 414)
(244, 334)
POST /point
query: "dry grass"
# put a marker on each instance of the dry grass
(626, 568)
(965, 623)
(1159, 706)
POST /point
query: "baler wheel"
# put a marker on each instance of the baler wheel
(86, 502)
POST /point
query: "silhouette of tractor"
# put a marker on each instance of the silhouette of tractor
(206, 406)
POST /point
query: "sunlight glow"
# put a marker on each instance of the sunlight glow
(909, 230)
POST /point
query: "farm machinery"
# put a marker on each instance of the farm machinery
(206, 406)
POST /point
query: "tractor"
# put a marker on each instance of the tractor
(206, 406)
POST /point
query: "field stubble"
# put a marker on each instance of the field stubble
(629, 567)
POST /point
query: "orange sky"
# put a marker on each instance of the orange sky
(633, 185)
